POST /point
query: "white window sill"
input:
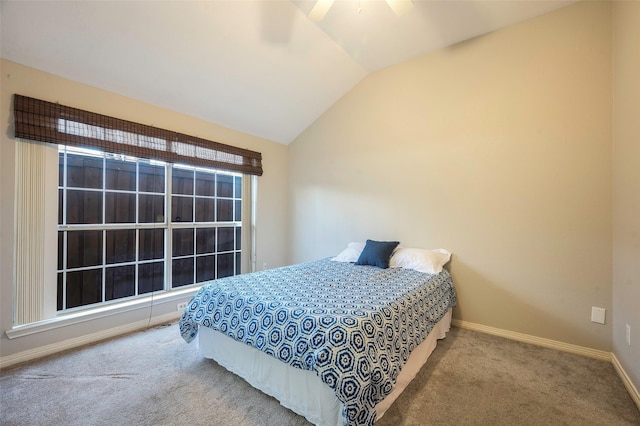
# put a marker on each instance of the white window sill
(96, 313)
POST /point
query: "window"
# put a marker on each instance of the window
(200, 251)
(116, 229)
(129, 227)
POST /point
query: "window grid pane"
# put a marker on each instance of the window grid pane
(120, 175)
(206, 203)
(112, 227)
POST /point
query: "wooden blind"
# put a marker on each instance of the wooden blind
(50, 122)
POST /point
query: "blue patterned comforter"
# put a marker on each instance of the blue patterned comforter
(355, 326)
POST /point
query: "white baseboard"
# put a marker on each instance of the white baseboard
(633, 391)
(9, 360)
(534, 340)
(561, 346)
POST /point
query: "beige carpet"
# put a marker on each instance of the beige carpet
(155, 378)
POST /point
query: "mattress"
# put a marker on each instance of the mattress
(301, 390)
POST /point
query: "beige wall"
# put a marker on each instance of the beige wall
(498, 149)
(626, 186)
(272, 224)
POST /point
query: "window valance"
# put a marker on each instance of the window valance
(58, 124)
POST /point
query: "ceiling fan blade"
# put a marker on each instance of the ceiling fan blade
(400, 7)
(320, 9)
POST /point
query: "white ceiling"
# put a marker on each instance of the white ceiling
(260, 67)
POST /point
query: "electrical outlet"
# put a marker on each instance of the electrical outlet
(597, 315)
(182, 306)
(628, 335)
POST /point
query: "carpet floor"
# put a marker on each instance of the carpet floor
(154, 378)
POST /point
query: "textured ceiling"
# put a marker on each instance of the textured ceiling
(260, 67)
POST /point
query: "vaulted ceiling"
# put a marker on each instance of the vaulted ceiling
(260, 67)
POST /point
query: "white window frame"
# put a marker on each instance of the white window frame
(167, 224)
(50, 318)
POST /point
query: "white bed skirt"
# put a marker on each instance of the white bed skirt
(302, 390)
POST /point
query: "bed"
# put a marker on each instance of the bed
(335, 341)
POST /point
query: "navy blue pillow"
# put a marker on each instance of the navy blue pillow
(377, 253)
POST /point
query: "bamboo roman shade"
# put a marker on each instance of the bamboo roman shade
(58, 124)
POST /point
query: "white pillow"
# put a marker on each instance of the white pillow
(427, 261)
(351, 253)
